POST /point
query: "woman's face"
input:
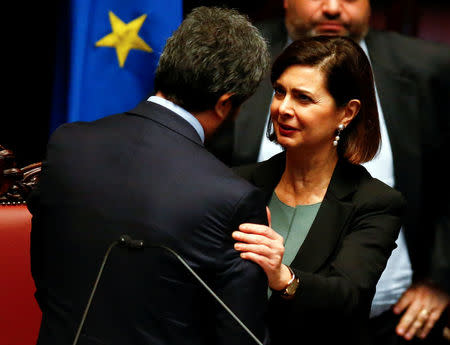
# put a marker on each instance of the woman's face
(303, 112)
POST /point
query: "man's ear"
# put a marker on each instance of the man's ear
(350, 111)
(224, 105)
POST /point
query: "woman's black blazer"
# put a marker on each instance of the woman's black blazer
(341, 259)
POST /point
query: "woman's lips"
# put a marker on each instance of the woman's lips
(286, 130)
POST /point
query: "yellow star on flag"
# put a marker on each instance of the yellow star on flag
(124, 37)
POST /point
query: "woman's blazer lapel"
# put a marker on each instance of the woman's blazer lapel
(332, 217)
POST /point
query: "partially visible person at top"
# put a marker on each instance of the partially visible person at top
(412, 81)
(333, 226)
(147, 174)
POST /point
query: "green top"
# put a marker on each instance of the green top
(293, 223)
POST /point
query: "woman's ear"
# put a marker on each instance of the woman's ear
(351, 109)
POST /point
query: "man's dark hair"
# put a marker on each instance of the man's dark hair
(214, 51)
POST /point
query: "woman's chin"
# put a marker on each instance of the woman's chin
(286, 142)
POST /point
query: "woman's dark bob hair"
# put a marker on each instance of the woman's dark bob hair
(348, 76)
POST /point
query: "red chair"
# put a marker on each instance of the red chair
(20, 314)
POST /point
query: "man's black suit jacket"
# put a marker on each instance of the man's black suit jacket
(144, 173)
(412, 77)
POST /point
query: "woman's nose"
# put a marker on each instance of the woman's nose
(285, 107)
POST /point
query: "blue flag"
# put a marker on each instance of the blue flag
(107, 55)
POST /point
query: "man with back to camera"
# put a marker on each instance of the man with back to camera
(412, 79)
(146, 173)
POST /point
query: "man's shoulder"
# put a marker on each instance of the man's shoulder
(246, 171)
(76, 126)
(405, 49)
(387, 36)
(266, 172)
(234, 180)
(229, 194)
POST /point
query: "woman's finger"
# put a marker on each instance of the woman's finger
(272, 241)
(252, 239)
(270, 268)
(260, 250)
(256, 258)
(269, 217)
(260, 230)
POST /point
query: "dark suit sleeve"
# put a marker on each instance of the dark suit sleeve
(35, 247)
(440, 268)
(242, 284)
(34, 200)
(34, 205)
(437, 220)
(36, 237)
(346, 286)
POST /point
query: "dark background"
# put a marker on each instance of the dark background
(28, 55)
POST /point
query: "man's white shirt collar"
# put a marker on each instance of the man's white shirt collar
(181, 112)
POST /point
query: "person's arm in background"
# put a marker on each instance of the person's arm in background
(424, 301)
(423, 304)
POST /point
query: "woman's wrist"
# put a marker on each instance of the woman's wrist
(290, 289)
(285, 277)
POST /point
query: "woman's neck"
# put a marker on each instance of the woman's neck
(306, 177)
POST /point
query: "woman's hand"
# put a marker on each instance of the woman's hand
(264, 246)
(424, 305)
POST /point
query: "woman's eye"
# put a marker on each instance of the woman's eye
(303, 97)
(278, 91)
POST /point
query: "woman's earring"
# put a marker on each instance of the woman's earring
(337, 137)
